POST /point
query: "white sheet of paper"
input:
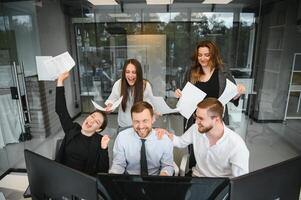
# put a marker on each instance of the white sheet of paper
(161, 106)
(98, 107)
(191, 96)
(59, 64)
(114, 106)
(43, 74)
(229, 92)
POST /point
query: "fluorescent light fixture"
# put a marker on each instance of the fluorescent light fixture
(159, 2)
(103, 2)
(119, 15)
(216, 1)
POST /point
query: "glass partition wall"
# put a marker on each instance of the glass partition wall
(258, 42)
(18, 46)
(28, 120)
(163, 38)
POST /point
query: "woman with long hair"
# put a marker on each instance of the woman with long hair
(209, 74)
(133, 88)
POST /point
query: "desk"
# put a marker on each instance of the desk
(10, 128)
(13, 185)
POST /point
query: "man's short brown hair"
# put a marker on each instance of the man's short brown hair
(214, 107)
(140, 106)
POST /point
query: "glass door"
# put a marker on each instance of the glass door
(17, 52)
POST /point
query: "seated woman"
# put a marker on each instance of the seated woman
(82, 148)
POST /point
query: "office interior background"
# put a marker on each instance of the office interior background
(259, 42)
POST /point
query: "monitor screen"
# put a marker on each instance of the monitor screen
(49, 179)
(161, 187)
(276, 182)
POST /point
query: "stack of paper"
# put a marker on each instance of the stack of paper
(49, 68)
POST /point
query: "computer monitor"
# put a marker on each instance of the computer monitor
(276, 182)
(161, 187)
(49, 179)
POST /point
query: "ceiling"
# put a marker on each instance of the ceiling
(77, 7)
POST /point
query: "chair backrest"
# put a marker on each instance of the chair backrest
(57, 146)
(184, 166)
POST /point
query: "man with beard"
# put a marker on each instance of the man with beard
(127, 151)
(219, 151)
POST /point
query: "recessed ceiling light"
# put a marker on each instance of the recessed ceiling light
(103, 2)
(154, 2)
(216, 1)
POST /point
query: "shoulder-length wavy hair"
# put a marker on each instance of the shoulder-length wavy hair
(137, 87)
(214, 62)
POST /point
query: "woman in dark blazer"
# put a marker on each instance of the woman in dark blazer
(209, 74)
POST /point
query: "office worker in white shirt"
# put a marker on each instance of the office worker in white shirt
(133, 88)
(127, 151)
(219, 151)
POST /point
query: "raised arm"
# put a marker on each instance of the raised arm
(60, 104)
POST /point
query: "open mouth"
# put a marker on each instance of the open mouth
(87, 125)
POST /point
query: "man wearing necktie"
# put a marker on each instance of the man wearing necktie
(137, 150)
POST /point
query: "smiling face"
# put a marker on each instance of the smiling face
(204, 56)
(130, 74)
(142, 122)
(203, 120)
(93, 123)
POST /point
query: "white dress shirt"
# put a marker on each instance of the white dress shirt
(229, 157)
(124, 118)
(126, 154)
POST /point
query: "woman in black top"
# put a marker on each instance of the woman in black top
(82, 148)
(209, 75)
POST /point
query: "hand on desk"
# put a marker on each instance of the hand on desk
(163, 174)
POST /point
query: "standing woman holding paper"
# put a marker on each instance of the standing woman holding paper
(209, 75)
(133, 88)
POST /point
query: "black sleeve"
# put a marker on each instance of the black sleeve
(186, 78)
(61, 110)
(229, 76)
(103, 161)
